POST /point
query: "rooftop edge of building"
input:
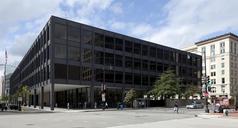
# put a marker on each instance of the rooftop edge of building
(219, 37)
(104, 29)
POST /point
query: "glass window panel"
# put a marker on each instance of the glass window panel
(128, 78)
(119, 44)
(109, 59)
(87, 55)
(99, 75)
(74, 72)
(144, 50)
(109, 76)
(60, 71)
(152, 66)
(118, 60)
(60, 31)
(145, 64)
(86, 73)
(60, 51)
(137, 63)
(160, 67)
(152, 52)
(119, 77)
(137, 79)
(86, 36)
(99, 57)
(160, 53)
(74, 34)
(128, 46)
(128, 62)
(152, 80)
(145, 80)
(74, 53)
(137, 48)
(109, 42)
(99, 40)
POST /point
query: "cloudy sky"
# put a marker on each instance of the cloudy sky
(175, 23)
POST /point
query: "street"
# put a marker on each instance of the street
(152, 117)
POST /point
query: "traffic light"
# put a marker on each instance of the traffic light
(208, 80)
(208, 84)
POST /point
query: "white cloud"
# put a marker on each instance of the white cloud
(22, 43)
(89, 7)
(21, 21)
(142, 30)
(15, 10)
(189, 21)
(185, 23)
(117, 8)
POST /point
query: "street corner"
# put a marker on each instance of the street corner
(209, 115)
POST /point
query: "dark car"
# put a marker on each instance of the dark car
(13, 107)
(3, 107)
(195, 105)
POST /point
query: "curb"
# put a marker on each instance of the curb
(208, 116)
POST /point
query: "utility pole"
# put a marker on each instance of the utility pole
(5, 70)
(206, 84)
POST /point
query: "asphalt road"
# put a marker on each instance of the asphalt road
(101, 119)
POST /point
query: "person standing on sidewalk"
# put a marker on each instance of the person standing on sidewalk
(68, 105)
(176, 107)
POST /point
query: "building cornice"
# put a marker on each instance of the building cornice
(217, 38)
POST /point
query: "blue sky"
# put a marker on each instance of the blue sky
(174, 23)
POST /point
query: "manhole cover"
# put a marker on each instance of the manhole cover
(29, 124)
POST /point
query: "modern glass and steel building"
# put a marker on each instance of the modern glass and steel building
(70, 62)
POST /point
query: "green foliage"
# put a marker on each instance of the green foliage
(23, 92)
(4, 98)
(167, 85)
(191, 90)
(130, 96)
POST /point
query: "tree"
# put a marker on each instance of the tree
(130, 97)
(4, 98)
(191, 90)
(166, 86)
(23, 92)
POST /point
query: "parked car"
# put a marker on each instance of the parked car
(219, 108)
(13, 107)
(195, 105)
(3, 107)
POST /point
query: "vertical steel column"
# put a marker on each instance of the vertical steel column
(42, 98)
(52, 96)
(34, 98)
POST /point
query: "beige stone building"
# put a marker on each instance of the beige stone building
(221, 64)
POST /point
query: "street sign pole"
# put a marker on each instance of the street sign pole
(206, 96)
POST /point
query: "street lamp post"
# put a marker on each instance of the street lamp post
(206, 96)
(206, 81)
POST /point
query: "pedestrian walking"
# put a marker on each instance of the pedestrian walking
(176, 107)
(106, 105)
(95, 105)
(68, 105)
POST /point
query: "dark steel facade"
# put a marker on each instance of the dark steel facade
(70, 53)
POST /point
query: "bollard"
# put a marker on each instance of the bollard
(225, 112)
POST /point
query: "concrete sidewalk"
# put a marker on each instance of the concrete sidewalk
(187, 123)
(62, 110)
(233, 114)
